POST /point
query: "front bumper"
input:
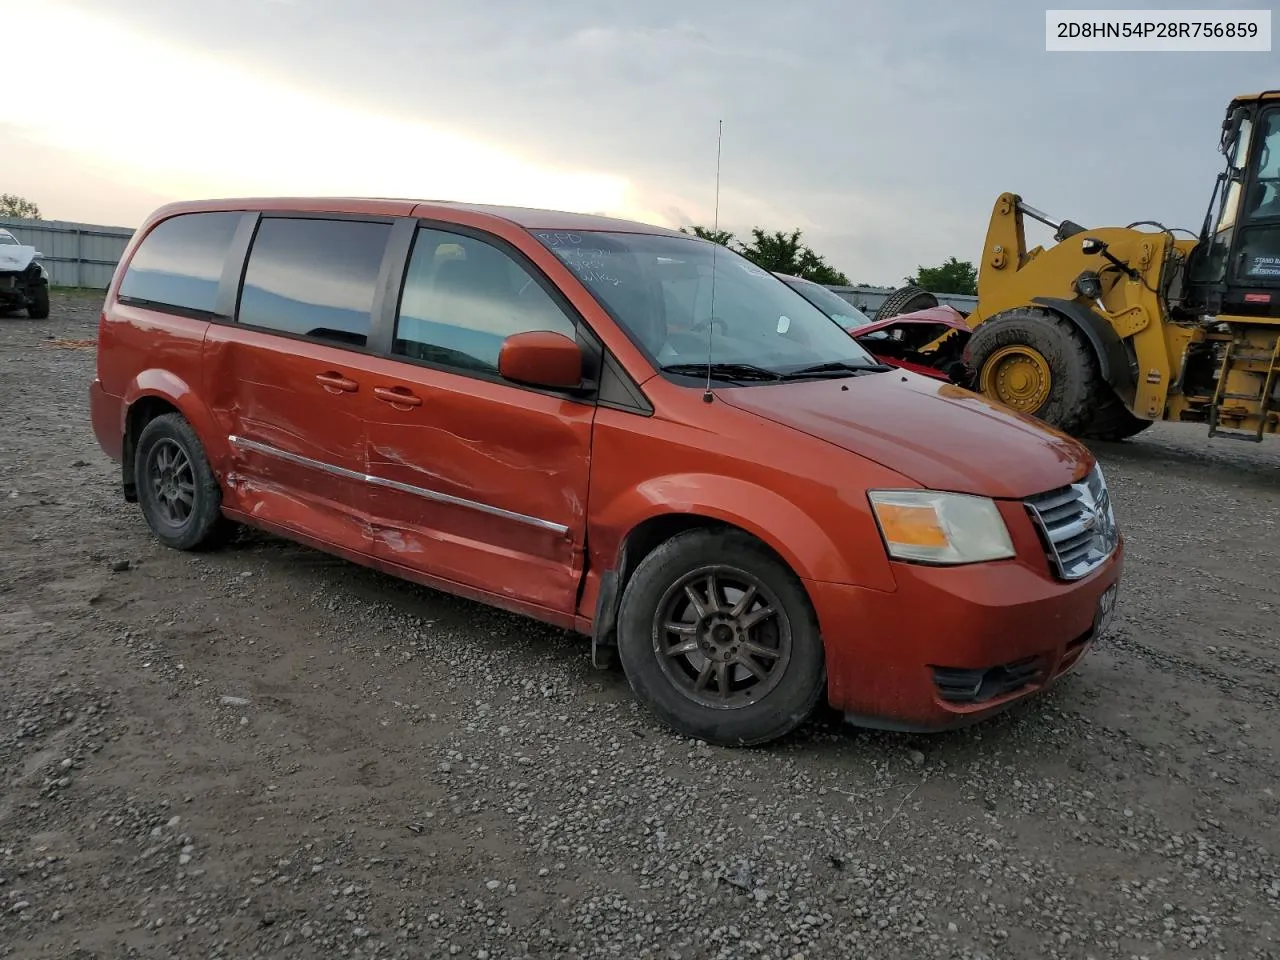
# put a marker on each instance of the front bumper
(16, 288)
(953, 646)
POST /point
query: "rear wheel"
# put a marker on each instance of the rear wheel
(1037, 363)
(177, 491)
(39, 306)
(1112, 421)
(718, 638)
(905, 300)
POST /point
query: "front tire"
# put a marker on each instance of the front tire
(1035, 362)
(177, 491)
(718, 638)
(38, 309)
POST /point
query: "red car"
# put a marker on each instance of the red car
(901, 340)
(520, 407)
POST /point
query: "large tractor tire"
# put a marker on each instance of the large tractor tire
(905, 300)
(1112, 421)
(1035, 362)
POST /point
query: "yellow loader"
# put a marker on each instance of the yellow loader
(1111, 329)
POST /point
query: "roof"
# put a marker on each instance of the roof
(529, 218)
(1251, 97)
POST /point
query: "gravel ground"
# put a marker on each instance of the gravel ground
(267, 752)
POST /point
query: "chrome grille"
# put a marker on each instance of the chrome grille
(1077, 524)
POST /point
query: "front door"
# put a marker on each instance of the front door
(475, 480)
(287, 378)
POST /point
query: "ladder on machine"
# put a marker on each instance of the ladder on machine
(1267, 365)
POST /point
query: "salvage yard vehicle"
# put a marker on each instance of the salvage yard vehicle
(541, 411)
(929, 341)
(24, 281)
(1111, 329)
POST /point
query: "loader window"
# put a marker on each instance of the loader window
(1210, 262)
(1264, 197)
(1257, 260)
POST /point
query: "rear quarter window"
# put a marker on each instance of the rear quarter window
(179, 263)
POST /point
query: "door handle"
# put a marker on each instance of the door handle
(335, 382)
(397, 396)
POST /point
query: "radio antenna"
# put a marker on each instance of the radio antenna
(715, 242)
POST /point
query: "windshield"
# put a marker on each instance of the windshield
(832, 304)
(9, 238)
(659, 290)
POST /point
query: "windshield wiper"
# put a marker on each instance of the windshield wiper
(838, 368)
(723, 371)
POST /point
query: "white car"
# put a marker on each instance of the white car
(24, 281)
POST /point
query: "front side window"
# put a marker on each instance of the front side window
(179, 263)
(314, 278)
(7, 238)
(660, 289)
(463, 297)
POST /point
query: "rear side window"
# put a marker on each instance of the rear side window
(179, 263)
(314, 278)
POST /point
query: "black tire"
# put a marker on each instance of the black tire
(905, 300)
(169, 439)
(1075, 382)
(39, 307)
(766, 708)
(1112, 421)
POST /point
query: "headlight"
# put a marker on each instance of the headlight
(932, 527)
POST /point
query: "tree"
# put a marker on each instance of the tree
(778, 252)
(722, 237)
(953, 276)
(20, 208)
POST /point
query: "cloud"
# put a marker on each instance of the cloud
(884, 129)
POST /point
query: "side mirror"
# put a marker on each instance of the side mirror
(1091, 246)
(541, 358)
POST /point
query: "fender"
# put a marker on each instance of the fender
(168, 386)
(1113, 358)
(804, 544)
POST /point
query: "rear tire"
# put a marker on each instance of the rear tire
(1112, 421)
(905, 300)
(39, 308)
(177, 491)
(727, 670)
(1074, 385)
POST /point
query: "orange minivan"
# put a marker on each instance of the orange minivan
(619, 429)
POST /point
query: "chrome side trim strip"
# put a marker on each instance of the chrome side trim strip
(270, 451)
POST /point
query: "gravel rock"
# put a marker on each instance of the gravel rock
(424, 777)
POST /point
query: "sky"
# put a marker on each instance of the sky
(882, 129)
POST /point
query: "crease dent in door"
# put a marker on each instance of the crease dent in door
(487, 473)
(497, 504)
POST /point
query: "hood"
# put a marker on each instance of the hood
(16, 258)
(937, 434)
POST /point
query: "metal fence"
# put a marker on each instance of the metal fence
(86, 254)
(75, 254)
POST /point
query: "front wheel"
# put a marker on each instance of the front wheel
(38, 308)
(719, 639)
(1035, 362)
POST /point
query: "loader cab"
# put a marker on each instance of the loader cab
(1235, 268)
